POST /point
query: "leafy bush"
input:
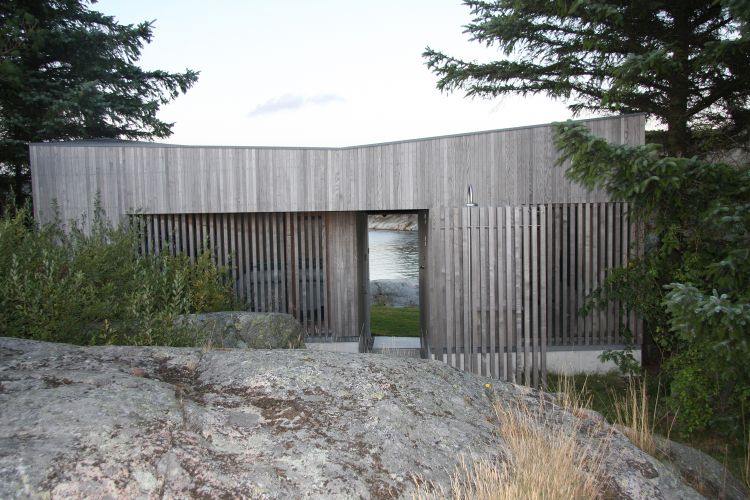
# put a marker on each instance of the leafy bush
(95, 287)
(692, 285)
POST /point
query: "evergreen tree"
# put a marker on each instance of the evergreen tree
(684, 63)
(70, 72)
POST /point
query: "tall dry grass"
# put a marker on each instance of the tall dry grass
(635, 415)
(570, 396)
(544, 460)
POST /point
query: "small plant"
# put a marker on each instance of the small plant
(624, 359)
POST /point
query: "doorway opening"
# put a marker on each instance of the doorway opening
(396, 271)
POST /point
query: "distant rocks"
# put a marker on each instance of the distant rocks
(393, 222)
(158, 422)
(396, 293)
(253, 330)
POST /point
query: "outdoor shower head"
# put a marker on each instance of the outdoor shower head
(470, 197)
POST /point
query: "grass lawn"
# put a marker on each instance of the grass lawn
(394, 321)
(604, 390)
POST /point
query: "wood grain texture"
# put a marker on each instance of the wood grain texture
(506, 167)
(278, 262)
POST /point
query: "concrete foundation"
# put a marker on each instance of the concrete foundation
(581, 359)
(561, 360)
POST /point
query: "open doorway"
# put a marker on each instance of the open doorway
(396, 265)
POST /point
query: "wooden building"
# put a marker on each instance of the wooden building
(501, 280)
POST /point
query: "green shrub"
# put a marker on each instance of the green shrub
(692, 285)
(95, 287)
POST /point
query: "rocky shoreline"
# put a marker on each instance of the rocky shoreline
(393, 222)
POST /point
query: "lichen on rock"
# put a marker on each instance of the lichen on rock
(246, 330)
(185, 422)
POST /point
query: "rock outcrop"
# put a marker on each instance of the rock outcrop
(701, 471)
(396, 293)
(188, 422)
(246, 330)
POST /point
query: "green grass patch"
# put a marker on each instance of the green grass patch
(394, 321)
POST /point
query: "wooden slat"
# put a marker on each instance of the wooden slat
(190, 237)
(274, 261)
(288, 267)
(458, 322)
(479, 267)
(303, 270)
(183, 234)
(533, 292)
(233, 251)
(162, 228)
(213, 239)
(594, 315)
(326, 277)
(544, 232)
(501, 301)
(510, 326)
(248, 258)
(446, 232)
(607, 264)
(526, 287)
(466, 299)
(518, 264)
(492, 277)
(475, 287)
(316, 269)
(565, 279)
(617, 256)
(580, 272)
(267, 264)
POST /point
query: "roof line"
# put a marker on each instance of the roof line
(127, 143)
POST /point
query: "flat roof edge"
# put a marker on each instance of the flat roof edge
(116, 143)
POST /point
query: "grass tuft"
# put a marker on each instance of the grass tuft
(545, 460)
(635, 415)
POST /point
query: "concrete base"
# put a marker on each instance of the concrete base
(561, 360)
(396, 342)
(399, 347)
(573, 360)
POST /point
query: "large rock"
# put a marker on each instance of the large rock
(241, 329)
(394, 292)
(701, 471)
(170, 422)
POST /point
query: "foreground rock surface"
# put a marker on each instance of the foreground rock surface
(246, 330)
(169, 422)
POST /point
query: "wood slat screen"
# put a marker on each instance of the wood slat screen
(278, 262)
(585, 241)
(506, 282)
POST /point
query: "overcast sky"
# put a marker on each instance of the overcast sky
(317, 73)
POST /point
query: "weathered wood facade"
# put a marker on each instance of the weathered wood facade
(308, 205)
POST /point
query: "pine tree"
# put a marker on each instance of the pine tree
(70, 72)
(684, 63)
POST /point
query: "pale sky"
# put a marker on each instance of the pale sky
(318, 73)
